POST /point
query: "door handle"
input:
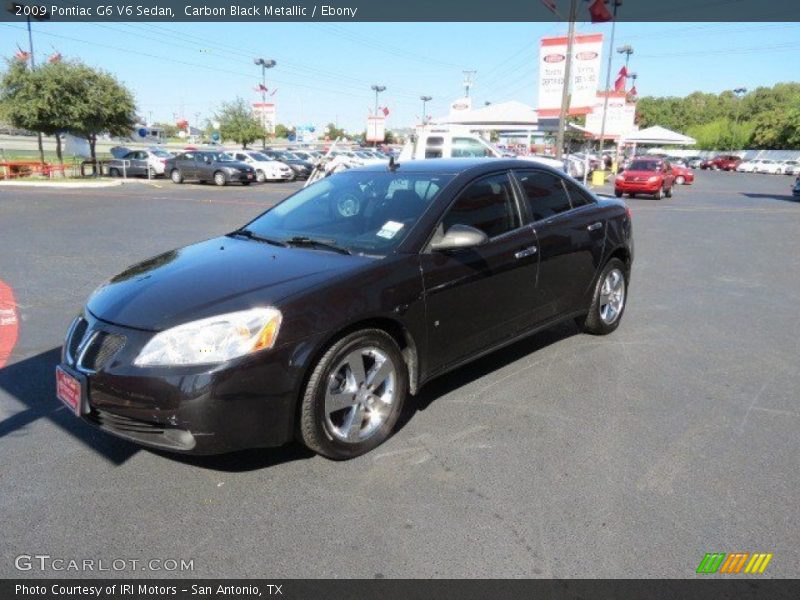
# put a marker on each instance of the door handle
(594, 226)
(526, 252)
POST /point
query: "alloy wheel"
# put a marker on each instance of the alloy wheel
(612, 296)
(359, 394)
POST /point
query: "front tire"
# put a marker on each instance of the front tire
(659, 194)
(113, 172)
(618, 194)
(260, 176)
(608, 301)
(219, 178)
(176, 176)
(354, 396)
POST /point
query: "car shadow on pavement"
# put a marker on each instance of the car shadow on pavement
(242, 460)
(473, 371)
(32, 382)
(784, 197)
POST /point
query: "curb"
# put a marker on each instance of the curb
(62, 185)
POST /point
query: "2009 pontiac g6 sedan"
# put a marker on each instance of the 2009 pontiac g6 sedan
(318, 318)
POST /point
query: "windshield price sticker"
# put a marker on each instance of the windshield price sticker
(390, 229)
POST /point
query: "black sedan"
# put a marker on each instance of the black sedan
(316, 320)
(202, 166)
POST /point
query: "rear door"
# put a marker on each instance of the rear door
(478, 297)
(571, 233)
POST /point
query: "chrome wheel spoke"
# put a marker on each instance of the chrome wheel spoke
(338, 400)
(355, 363)
(612, 296)
(352, 426)
(379, 374)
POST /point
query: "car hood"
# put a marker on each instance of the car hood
(210, 278)
(641, 173)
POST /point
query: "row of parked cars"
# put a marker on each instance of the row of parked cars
(731, 162)
(224, 167)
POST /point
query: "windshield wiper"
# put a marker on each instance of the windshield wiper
(300, 240)
(247, 233)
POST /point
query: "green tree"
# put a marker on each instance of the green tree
(333, 132)
(282, 131)
(237, 123)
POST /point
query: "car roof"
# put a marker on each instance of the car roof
(452, 166)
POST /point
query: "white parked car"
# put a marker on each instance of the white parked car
(771, 167)
(748, 166)
(266, 168)
(790, 167)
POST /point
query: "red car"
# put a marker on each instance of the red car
(683, 175)
(723, 162)
(646, 176)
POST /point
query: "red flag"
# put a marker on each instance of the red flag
(273, 92)
(20, 54)
(599, 12)
(54, 58)
(385, 111)
(551, 4)
(633, 91)
(260, 88)
(623, 72)
(619, 84)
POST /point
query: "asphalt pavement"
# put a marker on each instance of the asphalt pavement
(565, 455)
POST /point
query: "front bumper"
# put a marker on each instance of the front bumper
(241, 176)
(637, 187)
(246, 403)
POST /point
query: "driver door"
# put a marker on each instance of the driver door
(479, 297)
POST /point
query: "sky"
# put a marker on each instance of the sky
(324, 70)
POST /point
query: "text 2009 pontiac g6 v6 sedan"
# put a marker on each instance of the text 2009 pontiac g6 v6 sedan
(318, 318)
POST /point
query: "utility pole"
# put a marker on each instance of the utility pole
(377, 89)
(469, 77)
(565, 92)
(264, 63)
(425, 100)
(626, 49)
(738, 92)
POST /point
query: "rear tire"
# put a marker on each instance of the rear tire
(260, 176)
(609, 299)
(246, 183)
(176, 176)
(342, 414)
(113, 172)
(219, 178)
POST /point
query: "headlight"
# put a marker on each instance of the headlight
(213, 340)
(653, 179)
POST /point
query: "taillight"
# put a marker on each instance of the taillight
(628, 212)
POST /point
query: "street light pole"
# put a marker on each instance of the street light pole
(425, 100)
(265, 64)
(377, 89)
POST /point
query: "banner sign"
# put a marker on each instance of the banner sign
(584, 76)
(265, 112)
(376, 128)
(619, 118)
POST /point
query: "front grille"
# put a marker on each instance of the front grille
(100, 350)
(91, 348)
(124, 424)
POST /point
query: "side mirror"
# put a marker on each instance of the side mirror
(460, 237)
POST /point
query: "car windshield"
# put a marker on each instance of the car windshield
(363, 212)
(288, 156)
(161, 154)
(644, 165)
(258, 156)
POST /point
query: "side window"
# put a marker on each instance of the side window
(487, 204)
(545, 194)
(577, 196)
(468, 147)
(188, 156)
(433, 147)
(240, 156)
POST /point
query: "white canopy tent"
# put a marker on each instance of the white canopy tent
(659, 136)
